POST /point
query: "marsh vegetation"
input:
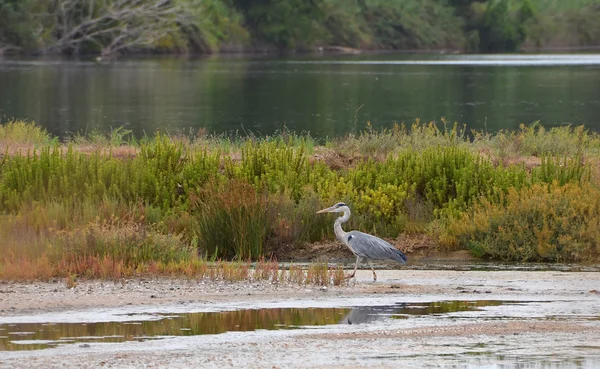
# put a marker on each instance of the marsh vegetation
(111, 205)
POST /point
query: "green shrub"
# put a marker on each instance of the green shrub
(412, 24)
(501, 29)
(544, 222)
(129, 242)
(22, 132)
(216, 25)
(18, 25)
(286, 24)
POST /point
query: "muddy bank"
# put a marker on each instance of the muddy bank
(32, 298)
(553, 319)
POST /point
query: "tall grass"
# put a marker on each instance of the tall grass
(535, 140)
(17, 132)
(232, 221)
(174, 200)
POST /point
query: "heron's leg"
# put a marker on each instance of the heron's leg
(373, 270)
(355, 267)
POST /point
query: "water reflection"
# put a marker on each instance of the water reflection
(30, 336)
(368, 314)
(263, 95)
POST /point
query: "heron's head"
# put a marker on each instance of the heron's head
(340, 207)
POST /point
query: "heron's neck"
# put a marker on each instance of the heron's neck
(337, 227)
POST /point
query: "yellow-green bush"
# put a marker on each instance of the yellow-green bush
(22, 132)
(544, 222)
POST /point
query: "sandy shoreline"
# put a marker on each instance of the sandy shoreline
(560, 322)
(18, 298)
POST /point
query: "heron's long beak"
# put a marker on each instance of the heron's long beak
(324, 211)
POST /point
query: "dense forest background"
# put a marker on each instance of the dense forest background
(109, 27)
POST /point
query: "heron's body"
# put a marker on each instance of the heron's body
(363, 245)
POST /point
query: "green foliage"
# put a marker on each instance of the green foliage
(180, 26)
(274, 165)
(418, 136)
(345, 24)
(286, 24)
(573, 23)
(232, 221)
(17, 25)
(561, 170)
(501, 29)
(412, 24)
(155, 176)
(17, 132)
(216, 25)
(447, 180)
(535, 140)
(131, 243)
(116, 137)
(546, 222)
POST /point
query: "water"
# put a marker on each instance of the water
(33, 336)
(462, 346)
(327, 96)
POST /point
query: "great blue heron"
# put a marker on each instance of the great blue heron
(363, 245)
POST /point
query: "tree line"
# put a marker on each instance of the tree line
(108, 27)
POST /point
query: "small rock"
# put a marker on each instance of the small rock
(152, 296)
(85, 345)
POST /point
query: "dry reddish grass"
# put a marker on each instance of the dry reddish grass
(23, 269)
(123, 152)
(529, 161)
(108, 268)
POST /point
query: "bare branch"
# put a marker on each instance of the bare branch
(8, 49)
(114, 25)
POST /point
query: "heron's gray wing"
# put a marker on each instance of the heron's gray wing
(371, 247)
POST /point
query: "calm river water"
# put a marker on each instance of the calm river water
(327, 96)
